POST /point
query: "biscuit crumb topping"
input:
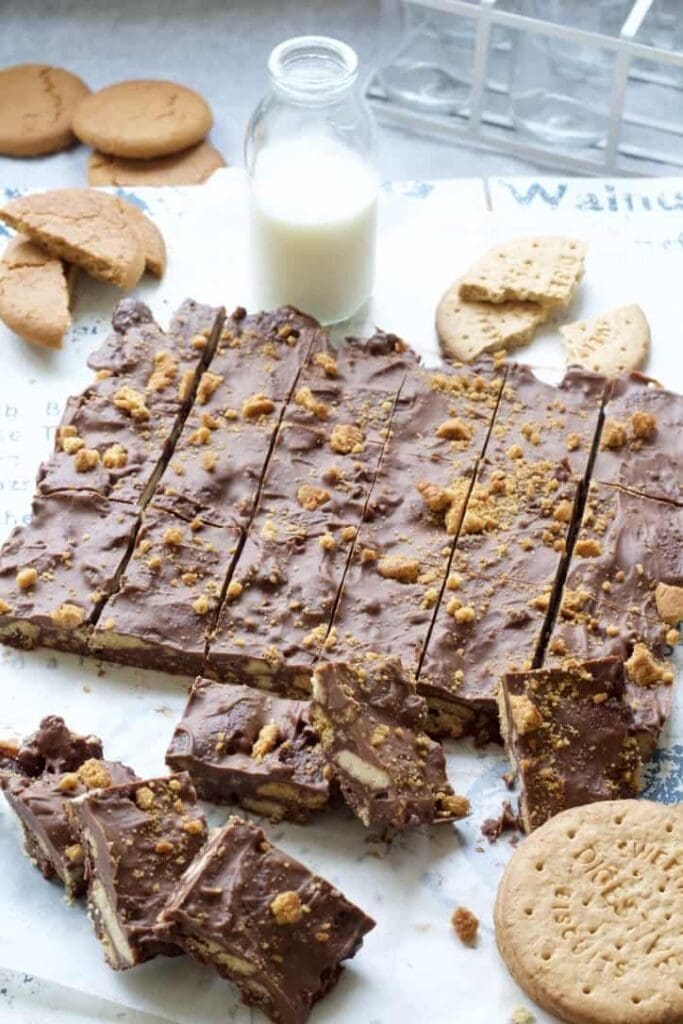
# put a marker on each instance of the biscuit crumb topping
(287, 908)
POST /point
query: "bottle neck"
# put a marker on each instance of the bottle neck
(313, 70)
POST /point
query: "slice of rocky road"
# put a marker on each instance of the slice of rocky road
(82, 226)
(545, 269)
(610, 343)
(466, 329)
(34, 293)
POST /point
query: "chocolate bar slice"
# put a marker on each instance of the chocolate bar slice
(168, 594)
(568, 734)
(138, 840)
(116, 437)
(241, 745)
(52, 766)
(641, 447)
(222, 451)
(371, 725)
(510, 547)
(623, 595)
(56, 572)
(265, 922)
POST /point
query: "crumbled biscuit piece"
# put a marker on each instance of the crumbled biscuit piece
(103, 374)
(346, 438)
(311, 498)
(525, 715)
(465, 614)
(26, 578)
(257, 405)
(643, 424)
(465, 924)
(265, 741)
(327, 362)
(522, 1016)
(321, 936)
(209, 461)
(563, 512)
(349, 533)
(132, 402)
(307, 400)
(68, 616)
(435, 498)
(207, 386)
(399, 567)
(202, 435)
(68, 782)
(613, 434)
(185, 386)
(588, 547)
(473, 523)
(209, 421)
(71, 445)
(189, 578)
(173, 536)
(573, 442)
(454, 581)
(86, 459)
(644, 670)
(287, 907)
(669, 601)
(165, 371)
(164, 847)
(327, 542)
(198, 342)
(454, 805)
(114, 457)
(75, 853)
(93, 774)
(193, 827)
(5, 608)
(155, 563)
(144, 798)
(454, 430)
(201, 604)
(234, 590)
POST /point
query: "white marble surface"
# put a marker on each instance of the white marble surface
(219, 47)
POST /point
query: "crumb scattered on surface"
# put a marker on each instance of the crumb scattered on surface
(522, 1016)
(466, 925)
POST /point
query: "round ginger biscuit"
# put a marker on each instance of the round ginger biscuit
(589, 914)
(94, 230)
(142, 119)
(467, 329)
(610, 343)
(151, 239)
(190, 167)
(34, 294)
(36, 106)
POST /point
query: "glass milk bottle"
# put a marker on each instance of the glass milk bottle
(313, 184)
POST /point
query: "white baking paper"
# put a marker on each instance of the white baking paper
(411, 970)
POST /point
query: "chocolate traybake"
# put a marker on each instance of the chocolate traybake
(239, 499)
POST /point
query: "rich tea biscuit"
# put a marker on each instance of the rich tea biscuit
(83, 226)
(467, 329)
(142, 119)
(36, 106)
(543, 269)
(34, 293)
(190, 167)
(589, 914)
(610, 343)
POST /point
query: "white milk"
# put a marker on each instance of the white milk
(313, 227)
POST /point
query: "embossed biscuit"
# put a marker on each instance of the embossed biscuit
(589, 914)
(544, 269)
(466, 329)
(609, 343)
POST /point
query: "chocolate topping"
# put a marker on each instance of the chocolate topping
(54, 749)
(371, 722)
(264, 921)
(129, 313)
(241, 745)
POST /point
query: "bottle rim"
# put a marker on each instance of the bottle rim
(313, 67)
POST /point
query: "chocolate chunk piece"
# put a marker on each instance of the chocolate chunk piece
(56, 572)
(265, 922)
(168, 595)
(138, 840)
(641, 447)
(621, 588)
(117, 436)
(371, 725)
(40, 805)
(222, 451)
(53, 748)
(568, 736)
(241, 745)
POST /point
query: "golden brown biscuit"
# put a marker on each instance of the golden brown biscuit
(589, 914)
(82, 226)
(190, 167)
(36, 106)
(142, 119)
(610, 343)
(544, 269)
(466, 329)
(34, 293)
(151, 239)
